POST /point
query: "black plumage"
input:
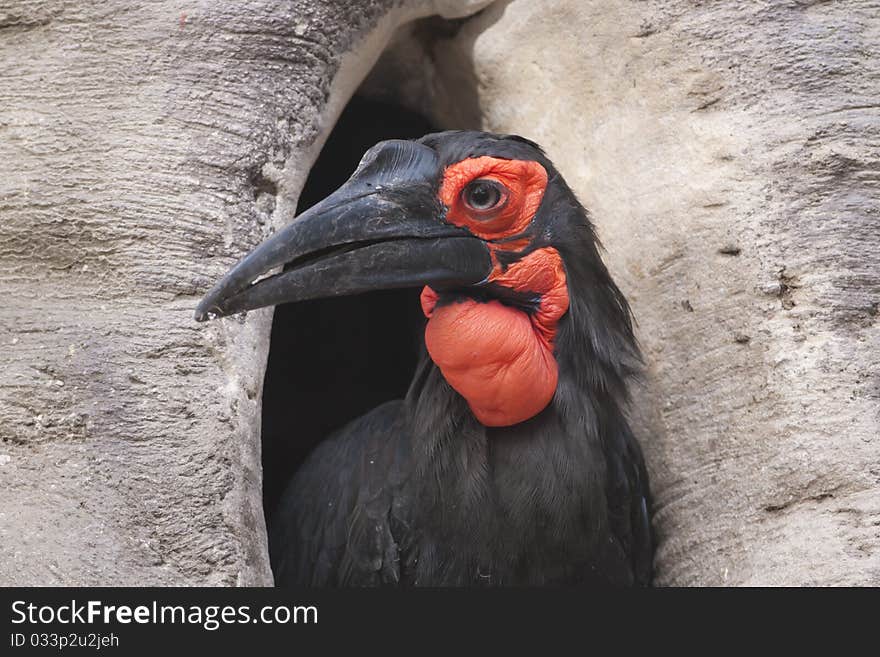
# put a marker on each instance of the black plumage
(418, 492)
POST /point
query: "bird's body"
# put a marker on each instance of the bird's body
(382, 503)
(511, 461)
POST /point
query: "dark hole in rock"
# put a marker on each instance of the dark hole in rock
(331, 360)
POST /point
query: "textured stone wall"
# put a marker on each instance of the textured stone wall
(727, 151)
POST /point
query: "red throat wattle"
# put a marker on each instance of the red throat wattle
(499, 357)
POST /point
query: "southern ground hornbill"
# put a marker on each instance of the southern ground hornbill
(510, 461)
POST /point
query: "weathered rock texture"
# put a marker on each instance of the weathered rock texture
(142, 150)
(728, 152)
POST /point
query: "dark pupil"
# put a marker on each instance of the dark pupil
(482, 195)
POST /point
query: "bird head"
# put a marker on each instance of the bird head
(506, 256)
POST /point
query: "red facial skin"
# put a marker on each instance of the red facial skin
(500, 358)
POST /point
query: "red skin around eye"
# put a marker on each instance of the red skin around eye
(524, 180)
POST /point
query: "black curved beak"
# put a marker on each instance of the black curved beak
(382, 229)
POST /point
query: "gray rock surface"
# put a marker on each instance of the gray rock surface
(728, 152)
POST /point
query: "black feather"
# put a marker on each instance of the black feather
(418, 492)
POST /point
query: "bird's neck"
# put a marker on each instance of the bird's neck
(530, 487)
(499, 355)
(491, 354)
(533, 487)
(593, 356)
(536, 482)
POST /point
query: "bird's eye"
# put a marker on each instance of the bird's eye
(484, 194)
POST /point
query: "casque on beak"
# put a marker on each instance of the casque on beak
(382, 229)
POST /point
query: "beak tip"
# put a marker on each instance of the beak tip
(205, 311)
